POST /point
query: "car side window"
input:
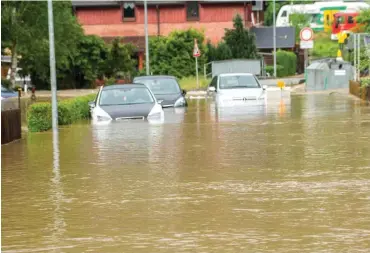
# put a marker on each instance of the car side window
(214, 82)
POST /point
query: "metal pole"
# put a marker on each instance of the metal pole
(53, 79)
(196, 71)
(146, 37)
(358, 56)
(274, 35)
(355, 55)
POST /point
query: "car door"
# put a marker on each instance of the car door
(212, 87)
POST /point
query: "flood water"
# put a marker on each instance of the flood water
(286, 177)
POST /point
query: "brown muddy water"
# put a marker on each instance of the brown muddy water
(286, 177)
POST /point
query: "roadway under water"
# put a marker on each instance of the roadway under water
(286, 177)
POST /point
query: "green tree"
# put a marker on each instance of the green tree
(364, 19)
(173, 55)
(25, 30)
(90, 61)
(119, 63)
(299, 21)
(240, 41)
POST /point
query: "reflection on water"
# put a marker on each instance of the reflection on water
(290, 176)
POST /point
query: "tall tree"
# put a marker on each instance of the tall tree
(240, 41)
(25, 30)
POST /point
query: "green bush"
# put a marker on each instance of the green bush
(279, 70)
(365, 82)
(288, 60)
(69, 111)
(5, 82)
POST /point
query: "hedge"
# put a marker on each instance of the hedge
(279, 70)
(69, 111)
(288, 60)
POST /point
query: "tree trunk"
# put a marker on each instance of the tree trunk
(14, 64)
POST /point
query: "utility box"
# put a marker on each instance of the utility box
(328, 74)
(237, 66)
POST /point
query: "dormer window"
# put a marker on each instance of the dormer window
(129, 11)
(192, 10)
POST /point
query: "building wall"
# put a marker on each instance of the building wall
(213, 19)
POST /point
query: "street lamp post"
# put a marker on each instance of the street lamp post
(274, 34)
(53, 79)
(146, 37)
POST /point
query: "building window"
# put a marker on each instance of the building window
(351, 20)
(129, 11)
(192, 10)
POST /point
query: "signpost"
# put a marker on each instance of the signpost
(196, 54)
(306, 36)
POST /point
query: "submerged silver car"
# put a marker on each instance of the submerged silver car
(125, 102)
(236, 87)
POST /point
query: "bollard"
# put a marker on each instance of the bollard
(33, 96)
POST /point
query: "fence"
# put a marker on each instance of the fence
(10, 125)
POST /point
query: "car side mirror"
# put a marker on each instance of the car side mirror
(264, 87)
(211, 89)
(184, 92)
(92, 104)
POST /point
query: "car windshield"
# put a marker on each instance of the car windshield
(3, 89)
(126, 96)
(238, 81)
(161, 86)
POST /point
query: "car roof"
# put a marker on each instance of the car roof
(236, 74)
(128, 85)
(154, 77)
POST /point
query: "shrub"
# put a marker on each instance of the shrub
(5, 82)
(365, 82)
(279, 70)
(70, 110)
(288, 60)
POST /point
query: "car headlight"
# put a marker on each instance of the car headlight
(156, 112)
(180, 102)
(100, 114)
(103, 118)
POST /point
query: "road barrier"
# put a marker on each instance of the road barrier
(10, 125)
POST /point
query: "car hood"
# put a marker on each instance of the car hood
(167, 99)
(240, 94)
(128, 111)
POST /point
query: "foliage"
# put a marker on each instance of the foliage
(173, 55)
(299, 21)
(241, 43)
(324, 46)
(25, 31)
(119, 60)
(69, 111)
(219, 52)
(365, 81)
(279, 70)
(364, 19)
(90, 61)
(288, 60)
(5, 82)
(190, 83)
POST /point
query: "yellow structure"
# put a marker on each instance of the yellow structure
(281, 84)
(342, 36)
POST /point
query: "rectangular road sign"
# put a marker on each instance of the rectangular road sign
(306, 44)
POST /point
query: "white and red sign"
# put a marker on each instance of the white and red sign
(306, 36)
(196, 51)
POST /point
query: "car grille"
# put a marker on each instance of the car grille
(244, 98)
(130, 118)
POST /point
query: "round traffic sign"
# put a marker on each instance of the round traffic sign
(306, 34)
